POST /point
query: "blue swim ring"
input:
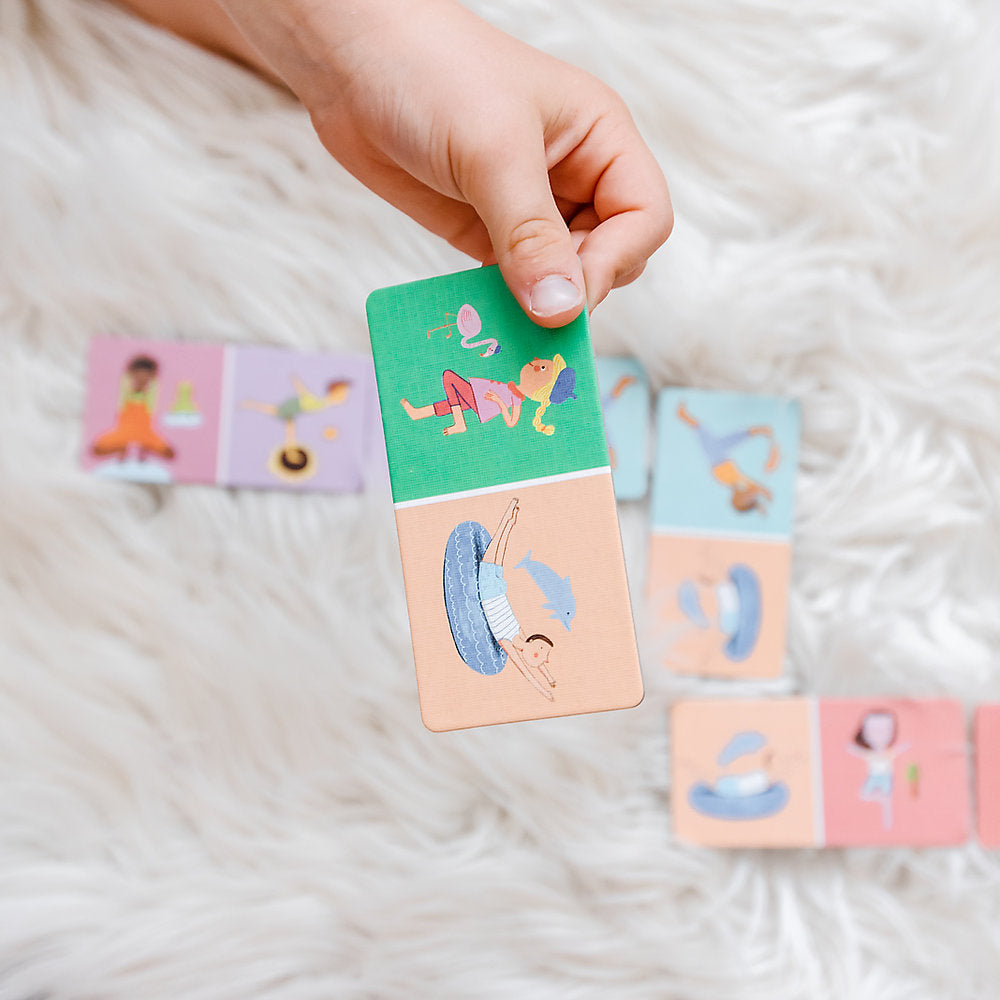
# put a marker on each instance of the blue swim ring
(473, 639)
(707, 801)
(742, 641)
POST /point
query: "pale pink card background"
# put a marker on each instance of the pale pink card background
(988, 774)
(197, 448)
(938, 813)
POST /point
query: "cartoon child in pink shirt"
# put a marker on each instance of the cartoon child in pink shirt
(541, 380)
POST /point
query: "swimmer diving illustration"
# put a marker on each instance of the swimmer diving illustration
(487, 633)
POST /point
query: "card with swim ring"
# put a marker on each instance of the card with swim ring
(720, 552)
(625, 401)
(180, 412)
(505, 509)
(800, 772)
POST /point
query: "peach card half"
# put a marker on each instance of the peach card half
(895, 771)
(744, 773)
(518, 604)
(987, 743)
(718, 607)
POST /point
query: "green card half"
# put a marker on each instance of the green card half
(475, 395)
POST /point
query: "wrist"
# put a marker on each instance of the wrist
(317, 47)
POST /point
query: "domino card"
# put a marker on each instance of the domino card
(505, 509)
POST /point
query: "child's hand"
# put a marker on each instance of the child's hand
(509, 154)
(492, 397)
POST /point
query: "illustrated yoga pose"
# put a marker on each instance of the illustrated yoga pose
(747, 494)
(137, 398)
(875, 743)
(294, 458)
(745, 788)
(541, 380)
(526, 652)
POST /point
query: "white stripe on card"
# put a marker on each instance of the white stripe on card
(505, 487)
(732, 536)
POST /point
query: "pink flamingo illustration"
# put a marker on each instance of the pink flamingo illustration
(469, 325)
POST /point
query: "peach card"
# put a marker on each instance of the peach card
(718, 607)
(895, 771)
(987, 743)
(744, 773)
(552, 553)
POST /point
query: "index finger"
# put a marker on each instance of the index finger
(614, 171)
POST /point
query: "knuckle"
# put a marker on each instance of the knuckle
(535, 237)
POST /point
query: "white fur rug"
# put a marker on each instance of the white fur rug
(214, 782)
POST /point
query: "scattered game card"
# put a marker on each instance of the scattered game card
(505, 509)
(153, 410)
(987, 744)
(625, 402)
(162, 412)
(720, 555)
(895, 771)
(296, 420)
(725, 464)
(828, 772)
(744, 773)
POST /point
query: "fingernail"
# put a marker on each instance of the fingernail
(553, 294)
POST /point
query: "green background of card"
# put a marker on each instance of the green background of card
(408, 364)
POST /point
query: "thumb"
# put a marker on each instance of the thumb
(530, 239)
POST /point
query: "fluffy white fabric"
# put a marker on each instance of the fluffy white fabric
(214, 783)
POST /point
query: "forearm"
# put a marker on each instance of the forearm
(205, 23)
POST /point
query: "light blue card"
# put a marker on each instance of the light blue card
(725, 463)
(625, 401)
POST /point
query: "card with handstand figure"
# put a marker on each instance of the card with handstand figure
(505, 511)
(725, 463)
(720, 556)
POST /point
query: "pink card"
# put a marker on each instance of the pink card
(153, 410)
(987, 742)
(895, 771)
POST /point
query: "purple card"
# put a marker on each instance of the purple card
(153, 411)
(296, 420)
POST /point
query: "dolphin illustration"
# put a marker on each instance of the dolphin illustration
(556, 589)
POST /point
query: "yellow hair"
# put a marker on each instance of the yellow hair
(543, 394)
